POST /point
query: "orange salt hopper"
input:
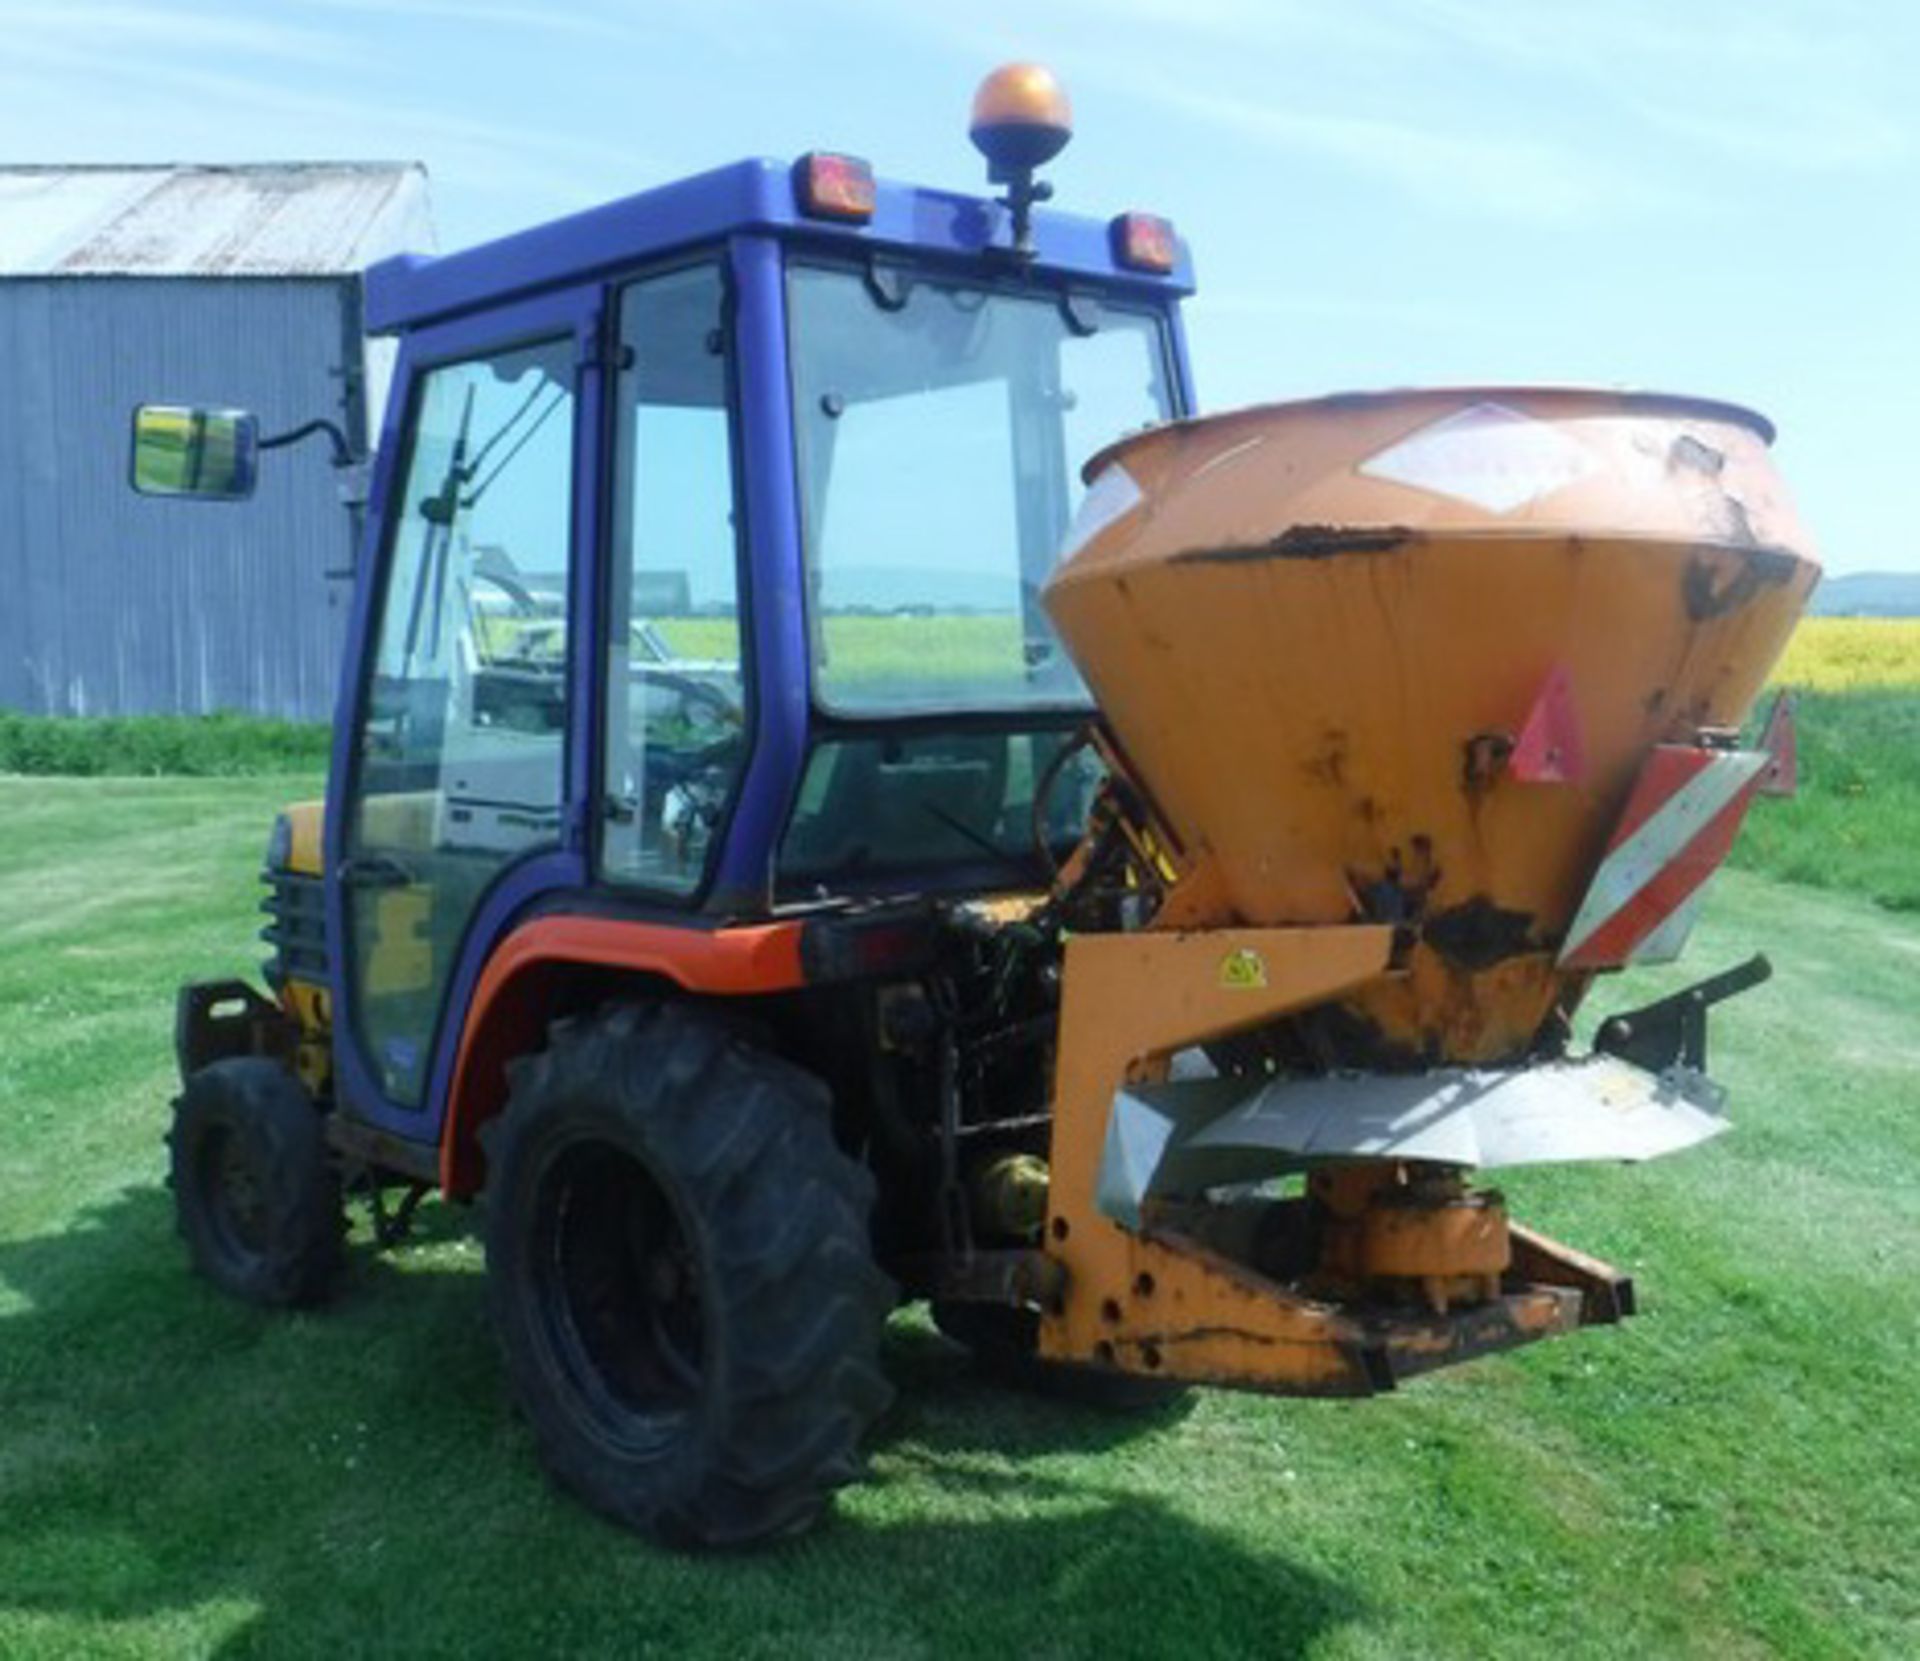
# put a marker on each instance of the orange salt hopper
(1322, 626)
(1430, 702)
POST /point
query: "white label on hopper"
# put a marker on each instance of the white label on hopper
(1110, 496)
(1489, 455)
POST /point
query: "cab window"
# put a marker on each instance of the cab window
(676, 693)
(458, 771)
(942, 428)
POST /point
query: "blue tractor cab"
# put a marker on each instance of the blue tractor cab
(698, 711)
(786, 453)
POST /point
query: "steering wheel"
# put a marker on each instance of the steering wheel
(703, 695)
(694, 691)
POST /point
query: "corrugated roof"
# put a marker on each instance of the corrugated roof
(259, 220)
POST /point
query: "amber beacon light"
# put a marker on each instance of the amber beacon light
(1021, 121)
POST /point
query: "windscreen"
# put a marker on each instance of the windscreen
(942, 428)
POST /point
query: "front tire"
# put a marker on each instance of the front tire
(255, 1194)
(681, 1277)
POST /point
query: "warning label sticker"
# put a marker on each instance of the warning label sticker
(1243, 971)
(1492, 456)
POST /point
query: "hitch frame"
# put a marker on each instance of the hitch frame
(1672, 1031)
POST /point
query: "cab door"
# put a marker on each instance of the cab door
(457, 766)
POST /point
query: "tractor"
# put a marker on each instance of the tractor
(846, 790)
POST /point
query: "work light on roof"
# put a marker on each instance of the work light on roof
(1145, 242)
(829, 186)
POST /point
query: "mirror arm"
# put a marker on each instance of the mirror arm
(343, 455)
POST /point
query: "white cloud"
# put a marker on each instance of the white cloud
(184, 86)
(1522, 109)
(1807, 86)
(1519, 177)
(110, 31)
(743, 28)
(1353, 86)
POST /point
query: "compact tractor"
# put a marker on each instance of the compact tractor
(846, 790)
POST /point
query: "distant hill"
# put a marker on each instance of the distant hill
(1869, 594)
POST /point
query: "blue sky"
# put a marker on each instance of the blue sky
(1719, 197)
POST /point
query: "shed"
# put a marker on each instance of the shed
(230, 286)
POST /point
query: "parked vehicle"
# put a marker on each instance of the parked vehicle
(946, 822)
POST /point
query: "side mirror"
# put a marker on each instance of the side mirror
(212, 455)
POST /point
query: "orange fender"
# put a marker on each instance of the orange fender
(506, 1016)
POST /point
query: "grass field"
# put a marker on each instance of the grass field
(1855, 823)
(1737, 1472)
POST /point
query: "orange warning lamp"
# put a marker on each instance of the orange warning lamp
(829, 186)
(1144, 242)
(1021, 120)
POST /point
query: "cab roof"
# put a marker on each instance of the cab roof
(411, 290)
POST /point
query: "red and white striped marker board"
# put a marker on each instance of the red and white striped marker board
(1680, 820)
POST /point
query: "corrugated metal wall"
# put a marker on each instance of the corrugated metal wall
(117, 604)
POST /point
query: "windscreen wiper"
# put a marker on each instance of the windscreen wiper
(519, 444)
(438, 510)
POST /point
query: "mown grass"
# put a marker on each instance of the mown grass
(1736, 1472)
(1855, 822)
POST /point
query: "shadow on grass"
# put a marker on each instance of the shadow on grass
(217, 1478)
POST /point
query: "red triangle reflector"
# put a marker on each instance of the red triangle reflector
(1550, 748)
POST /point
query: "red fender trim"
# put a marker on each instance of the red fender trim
(724, 962)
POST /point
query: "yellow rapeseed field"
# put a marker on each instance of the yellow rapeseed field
(1852, 654)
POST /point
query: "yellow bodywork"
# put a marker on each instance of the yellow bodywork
(307, 820)
(399, 959)
(1134, 1302)
(308, 1002)
(1156, 1304)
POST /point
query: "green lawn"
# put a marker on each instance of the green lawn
(1855, 823)
(1737, 1472)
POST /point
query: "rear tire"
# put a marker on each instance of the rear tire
(1004, 1343)
(681, 1277)
(254, 1191)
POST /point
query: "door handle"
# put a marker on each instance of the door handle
(375, 871)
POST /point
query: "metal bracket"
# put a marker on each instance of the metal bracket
(1082, 312)
(1011, 1279)
(391, 1228)
(889, 286)
(1672, 1031)
(343, 451)
(216, 1020)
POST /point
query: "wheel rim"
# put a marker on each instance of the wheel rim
(233, 1177)
(617, 1296)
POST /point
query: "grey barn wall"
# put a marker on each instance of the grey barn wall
(117, 604)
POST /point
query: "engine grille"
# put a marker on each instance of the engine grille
(296, 929)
